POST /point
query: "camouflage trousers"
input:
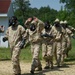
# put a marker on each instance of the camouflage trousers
(15, 53)
(69, 46)
(57, 52)
(47, 53)
(35, 50)
(64, 47)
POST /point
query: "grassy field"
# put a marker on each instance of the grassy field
(72, 52)
(26, 53)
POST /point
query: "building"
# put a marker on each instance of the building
(6, 12)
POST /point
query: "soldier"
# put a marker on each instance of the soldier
(68, 38)
(56, 31)
(71, 28)
(47, 46)
(34, 32)
(64, 42)
(27, 26)
(14, 34)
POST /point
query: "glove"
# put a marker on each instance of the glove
(22, 43)
(4, 39)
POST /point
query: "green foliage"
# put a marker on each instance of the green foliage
(5, 54)
(62, 14)
(23, 11)
(46, 13)
(70, 7)
(21, 8)
(72, 52)
(69, 4)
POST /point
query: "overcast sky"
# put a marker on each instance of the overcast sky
(52, 3)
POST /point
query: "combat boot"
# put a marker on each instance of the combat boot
(46, 67)
(32, 72)
(51, 67)
(39, 69)
(58, 64)
(18, 74)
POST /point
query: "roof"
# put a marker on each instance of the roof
(4, 6)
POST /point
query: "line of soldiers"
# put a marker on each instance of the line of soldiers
(54, 41)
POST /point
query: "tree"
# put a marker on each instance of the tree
(69, 4)
(22, 7)
(46, 13)
(62, 14)
(70, 7)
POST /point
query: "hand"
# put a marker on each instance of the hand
(22, 43)
(4, 39)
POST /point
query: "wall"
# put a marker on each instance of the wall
(10, 11)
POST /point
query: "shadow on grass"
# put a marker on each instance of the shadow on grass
(4, 59)
(69, 59)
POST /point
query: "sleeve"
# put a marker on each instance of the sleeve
(53, 32)
(40, 26)
(23, 32)
(69, 32)
(72, 28)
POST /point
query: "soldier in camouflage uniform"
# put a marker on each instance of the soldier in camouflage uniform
(68, 38)
(72, 29)
(56, 31)
(26, 26)
(14, 35)
(47, 46)
(64, 42)
(36, 26)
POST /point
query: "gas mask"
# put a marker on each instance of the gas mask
(13, 21)
(63, 26)
(66, 25)
(57, 24)
(32, 27)
(47, 26)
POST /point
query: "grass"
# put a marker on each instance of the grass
(72, 52)
(26, 53)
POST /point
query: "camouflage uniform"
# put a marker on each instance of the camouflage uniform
(71, 28)
(68, 38)
(47, 49)
(26, 26)
(64, 42)
(35, 41)
(57, 33)
(14, 36)
(69, 34)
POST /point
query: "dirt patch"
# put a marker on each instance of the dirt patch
(68, 69)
